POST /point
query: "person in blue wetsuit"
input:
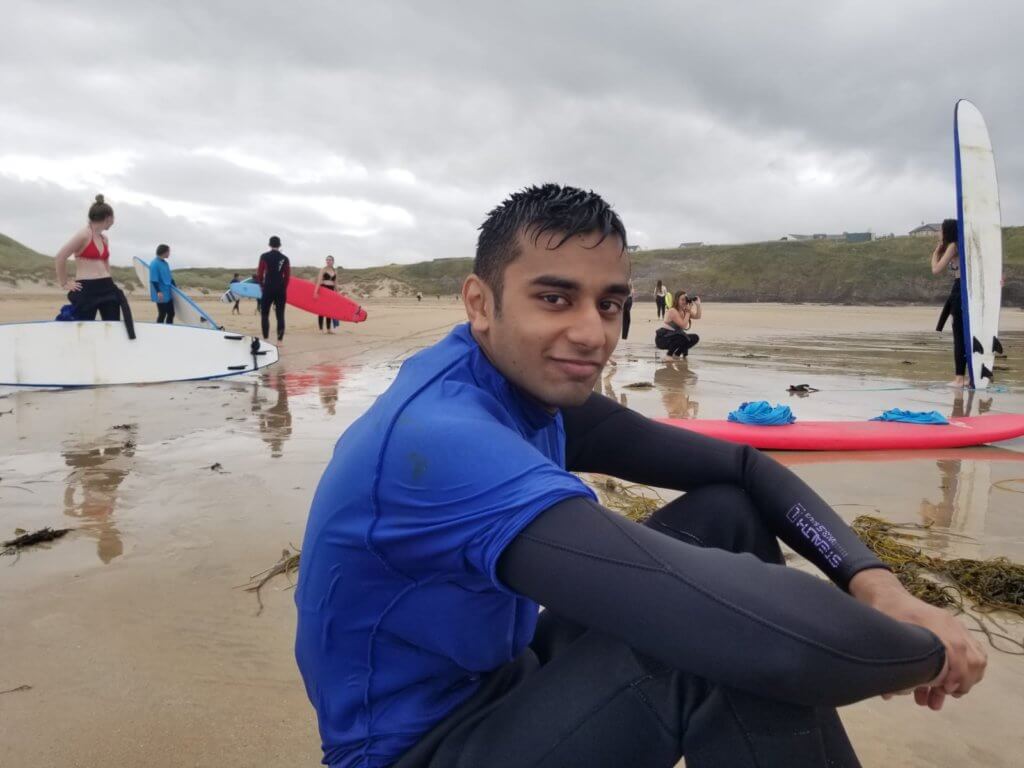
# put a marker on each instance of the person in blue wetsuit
(160, 283)
(449, 513)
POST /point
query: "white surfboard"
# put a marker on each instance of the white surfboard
(91, 354)
(980, 242)
(186, 311)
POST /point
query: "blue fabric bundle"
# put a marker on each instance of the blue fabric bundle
(912, 417)
(762, 414)
(67, 312)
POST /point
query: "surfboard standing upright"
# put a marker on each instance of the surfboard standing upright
(980, 241)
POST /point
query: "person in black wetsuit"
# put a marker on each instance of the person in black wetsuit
(234, 307)
(448, 514)
(947, 257)
(273, 274)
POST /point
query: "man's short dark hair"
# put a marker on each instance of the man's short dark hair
(275, 242)
(536, 211)
(162, 249)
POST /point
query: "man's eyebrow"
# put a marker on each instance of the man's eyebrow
(553, 281)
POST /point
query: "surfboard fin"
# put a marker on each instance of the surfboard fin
(986, 373)
(978, 349)
(997, 346)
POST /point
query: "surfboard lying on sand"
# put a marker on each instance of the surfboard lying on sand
(186, 311)
(980, 242)
(861, 435)
(96, 353)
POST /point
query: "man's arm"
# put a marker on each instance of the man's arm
(261, 270)
(603, 436)
(731, 619)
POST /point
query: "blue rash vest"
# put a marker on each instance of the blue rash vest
(160, 279)
(400, 610)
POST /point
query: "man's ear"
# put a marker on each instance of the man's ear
(479, 301)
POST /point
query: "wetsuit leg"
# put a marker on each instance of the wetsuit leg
(264, 307)
(110, 310)
(320, 322)
(626, 308)
(959, 357)
(279, 313)
(588, 699)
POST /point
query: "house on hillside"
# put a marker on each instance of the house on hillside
(926, 230)
(858, 237)
(690, 245)
(632, 248)
(846, 237)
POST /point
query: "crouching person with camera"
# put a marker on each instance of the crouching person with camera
(673, 336)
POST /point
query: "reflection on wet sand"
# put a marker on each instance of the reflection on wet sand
(91, 492)
(672, 379)
(275, 422)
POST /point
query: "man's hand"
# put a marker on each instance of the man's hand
(160, 296)
(965, 658)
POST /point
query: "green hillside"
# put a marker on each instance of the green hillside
(881, 272)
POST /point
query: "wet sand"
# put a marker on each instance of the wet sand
(139, 649)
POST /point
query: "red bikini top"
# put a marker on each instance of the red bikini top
(92, 252)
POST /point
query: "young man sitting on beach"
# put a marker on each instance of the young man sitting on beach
(448, 514)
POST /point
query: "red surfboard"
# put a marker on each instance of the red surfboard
(326, 304)
(861, 435)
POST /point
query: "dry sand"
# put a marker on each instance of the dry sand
(139, 650)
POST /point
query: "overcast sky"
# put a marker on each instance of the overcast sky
(384, 131)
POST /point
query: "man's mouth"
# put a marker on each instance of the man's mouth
(577, 369)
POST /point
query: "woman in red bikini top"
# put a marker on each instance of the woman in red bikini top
(93, 289)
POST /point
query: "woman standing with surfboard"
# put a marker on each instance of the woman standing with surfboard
(328, 278)
(947, 256)
(93, 288)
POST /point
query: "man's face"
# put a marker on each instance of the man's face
(561, 315)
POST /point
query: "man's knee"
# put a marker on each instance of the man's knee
(721, 517)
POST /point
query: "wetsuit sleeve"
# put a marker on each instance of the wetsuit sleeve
(261, 270)
(603, 436)
(286, 272)
(729, 618)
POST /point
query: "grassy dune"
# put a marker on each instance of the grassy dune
(881, 272)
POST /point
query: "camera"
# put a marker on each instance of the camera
(691, 299)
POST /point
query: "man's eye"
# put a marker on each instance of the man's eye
(554, 298)
(610, 306)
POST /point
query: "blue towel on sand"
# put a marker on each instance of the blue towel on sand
(762, 414)
(67, 312)
(912, 417)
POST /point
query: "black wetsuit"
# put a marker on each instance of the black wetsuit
(686, 635)
(273, 275)
(103, 296)
(627, 307)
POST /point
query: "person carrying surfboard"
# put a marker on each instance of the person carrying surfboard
(93, 290)
(326, 278)
(449, 513)
(947, 257)
(273, 274)
(160, 283)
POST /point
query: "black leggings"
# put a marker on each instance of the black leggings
(165, 312)
(659, 302)
(277, 300)
(580, 697)
(959, 357)
(324, 322)
(676, 343)
(626, 308)
(97, 295)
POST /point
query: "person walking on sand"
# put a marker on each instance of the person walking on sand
(946, 256)
(160, 283)
(273, 275)
(234, 309)
(449, 513)
(93, 289)
(328, 279)
(659, 299)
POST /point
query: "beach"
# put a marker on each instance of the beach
(139, 647)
